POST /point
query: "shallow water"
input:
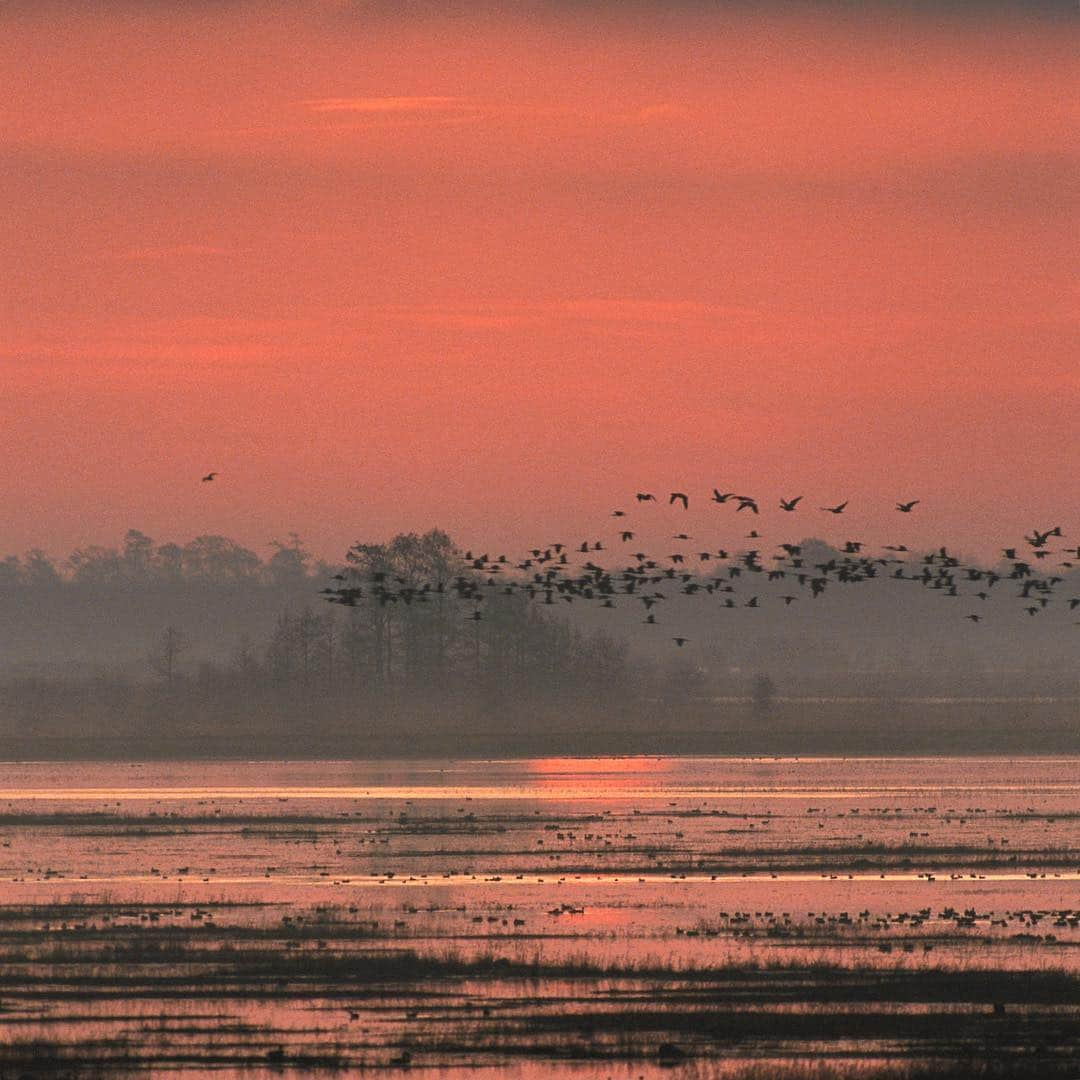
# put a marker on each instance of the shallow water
(282, 884)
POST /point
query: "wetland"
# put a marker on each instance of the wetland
(577, 917)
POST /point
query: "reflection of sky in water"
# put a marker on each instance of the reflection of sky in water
(625, 865)
(803, 825)
(580, 778)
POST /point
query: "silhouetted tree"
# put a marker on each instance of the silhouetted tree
(165, 658)
(762, 696)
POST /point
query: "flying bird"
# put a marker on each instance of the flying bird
(1038, 539)
(790, 504)
(208, 477)
(906, 508)
(838, 509)
(678, 496)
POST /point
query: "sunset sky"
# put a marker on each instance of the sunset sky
(499, 268)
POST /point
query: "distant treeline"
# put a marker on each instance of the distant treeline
(150, 642)
(101, 608)
(234, 644)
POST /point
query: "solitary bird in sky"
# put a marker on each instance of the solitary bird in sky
(208, 477)
(790, 504)
(838, 509)
(906, 508)
(678, 496)
(680, 641)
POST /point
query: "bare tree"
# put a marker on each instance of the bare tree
(762, 696)
(165, 657)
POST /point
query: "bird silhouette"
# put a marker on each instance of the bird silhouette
(208, 477)
(644, 496)
(790, 504)
(680, 641)
(906, 508)
(838, 509)
(678, 496)
(1038, 539)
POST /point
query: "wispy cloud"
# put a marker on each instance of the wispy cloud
(506, 314)
(380, 105)
(447, 109)
(217, 342)
(169, 251)
(424, 110)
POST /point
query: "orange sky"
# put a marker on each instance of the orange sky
(497, 272)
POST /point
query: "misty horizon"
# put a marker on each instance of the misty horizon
(540, 539)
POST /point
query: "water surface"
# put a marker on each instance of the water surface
(532, 891)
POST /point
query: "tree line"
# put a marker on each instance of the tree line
(207, 639)
(299, 666)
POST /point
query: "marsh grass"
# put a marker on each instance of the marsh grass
(456, 1009)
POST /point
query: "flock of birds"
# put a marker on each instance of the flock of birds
(559, 572)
